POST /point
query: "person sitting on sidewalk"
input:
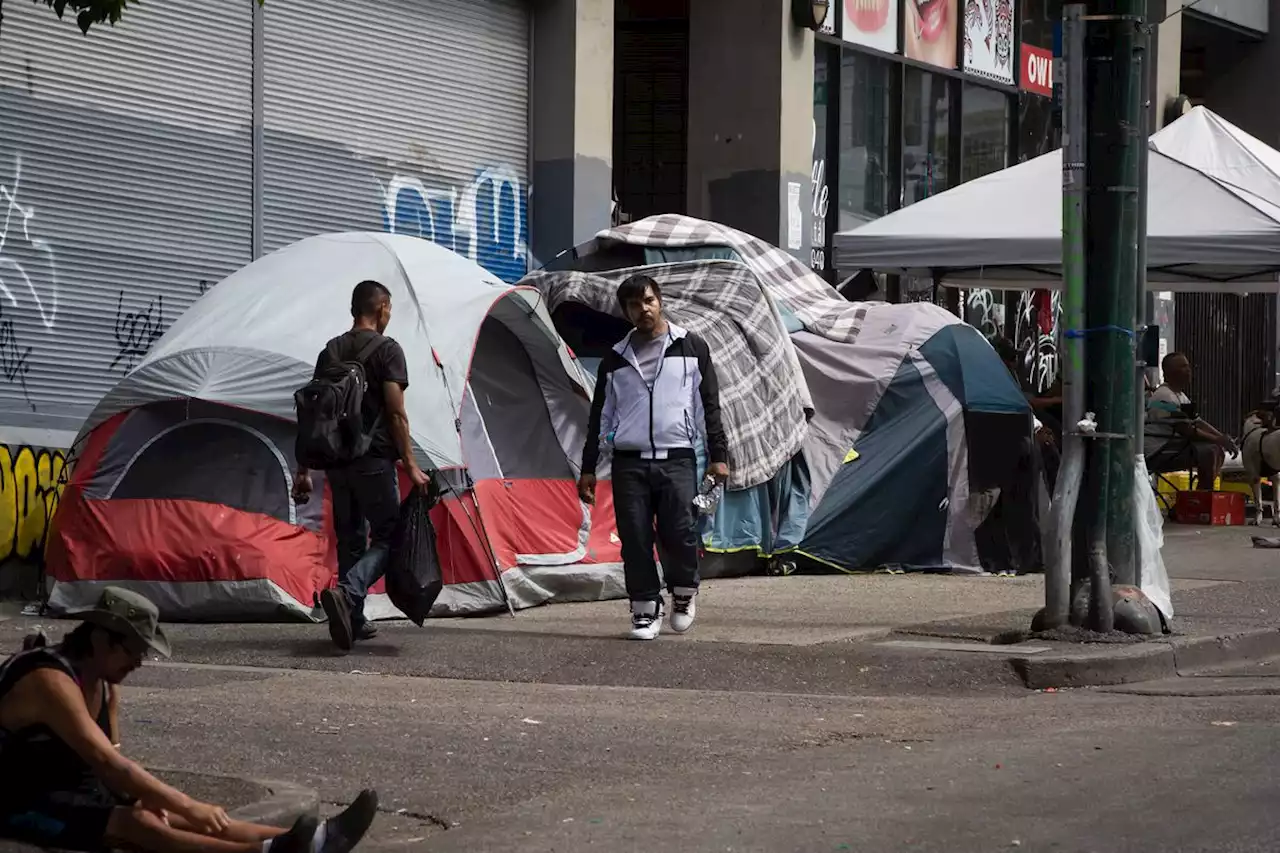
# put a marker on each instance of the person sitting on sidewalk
(1175, 438)
(65, 784)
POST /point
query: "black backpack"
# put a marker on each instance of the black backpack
(330, 409)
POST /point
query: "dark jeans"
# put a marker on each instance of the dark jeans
(366, 506)
(61, 820)
(663, 488)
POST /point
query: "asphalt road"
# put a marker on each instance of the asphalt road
(477, 765)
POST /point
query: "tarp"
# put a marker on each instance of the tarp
(760, 381)
(911, 446)
(1004, 230)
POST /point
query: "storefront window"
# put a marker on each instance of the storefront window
(1037, 130)
(984, 129)
(819, 182)
(863, 191)
(926, 134)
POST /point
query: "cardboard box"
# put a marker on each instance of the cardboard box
(1220, 509)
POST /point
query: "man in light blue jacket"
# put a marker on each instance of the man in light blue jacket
(656, 394)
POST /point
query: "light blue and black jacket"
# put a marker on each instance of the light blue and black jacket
(664, 422)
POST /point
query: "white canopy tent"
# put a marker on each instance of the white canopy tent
(1209, 143)
(1205, 231)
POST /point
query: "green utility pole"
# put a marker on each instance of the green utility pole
(1112, 174)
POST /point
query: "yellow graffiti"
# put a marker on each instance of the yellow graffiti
(31, 483)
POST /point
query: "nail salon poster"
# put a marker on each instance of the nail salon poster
(929, 31)
(872, 23)
(988, 39)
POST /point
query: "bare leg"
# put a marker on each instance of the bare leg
(237, 831)
(141, 830)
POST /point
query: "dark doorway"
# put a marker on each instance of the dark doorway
(651, 106)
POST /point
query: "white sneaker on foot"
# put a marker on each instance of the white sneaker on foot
(646, 620)
(684, 607)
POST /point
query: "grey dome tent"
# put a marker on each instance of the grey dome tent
(893, 435)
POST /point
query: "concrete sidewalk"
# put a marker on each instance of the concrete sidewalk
(1226, 600)
(805, 633)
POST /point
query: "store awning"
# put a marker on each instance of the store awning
(1004, 230)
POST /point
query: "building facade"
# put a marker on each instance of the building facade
(141, 164)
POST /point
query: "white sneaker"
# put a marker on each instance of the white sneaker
(646, 620)
(684, 607)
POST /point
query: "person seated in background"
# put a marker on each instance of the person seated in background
(1175, 438)
(66, 785)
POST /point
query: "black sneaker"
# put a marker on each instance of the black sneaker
(342, 832)
(338, 613)
(298, 839)
(366, 631)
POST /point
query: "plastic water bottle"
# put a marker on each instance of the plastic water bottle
(708, 497)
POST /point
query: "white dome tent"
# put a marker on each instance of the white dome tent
(182, 487)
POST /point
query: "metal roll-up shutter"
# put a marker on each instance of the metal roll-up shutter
(125, 191)
(409, 117)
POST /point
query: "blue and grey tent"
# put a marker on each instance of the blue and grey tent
(863, 435)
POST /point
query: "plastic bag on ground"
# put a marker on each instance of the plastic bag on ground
(1154, 579)
(413, 575)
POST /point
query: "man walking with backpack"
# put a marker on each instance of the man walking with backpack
(352, 424)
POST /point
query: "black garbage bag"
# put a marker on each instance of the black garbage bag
(413, 571)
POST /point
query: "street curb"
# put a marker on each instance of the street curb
(1146, 661)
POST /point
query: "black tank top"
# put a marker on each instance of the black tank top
(33, 760)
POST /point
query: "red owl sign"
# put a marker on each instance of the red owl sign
(1037, 71)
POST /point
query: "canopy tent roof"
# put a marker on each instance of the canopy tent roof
(1004, 230)
(252, 340)
(1206, 141)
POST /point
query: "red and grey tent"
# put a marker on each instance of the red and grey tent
(184, 472)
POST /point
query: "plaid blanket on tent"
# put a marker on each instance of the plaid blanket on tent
(814, 302)
(762, 392)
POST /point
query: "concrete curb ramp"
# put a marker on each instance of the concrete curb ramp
(1158, 659)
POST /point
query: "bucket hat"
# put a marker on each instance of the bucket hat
(128, 614)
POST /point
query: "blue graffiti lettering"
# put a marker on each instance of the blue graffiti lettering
(487, 221)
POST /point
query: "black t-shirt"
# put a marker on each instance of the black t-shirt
(387, 364)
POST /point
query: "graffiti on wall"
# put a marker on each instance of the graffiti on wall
(137, 330)
(1036, 337)
(984, 310)
(1034, 332)
(28, 280)
(487, 221)
(14, 364)
(28, 265)
(31, 484)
